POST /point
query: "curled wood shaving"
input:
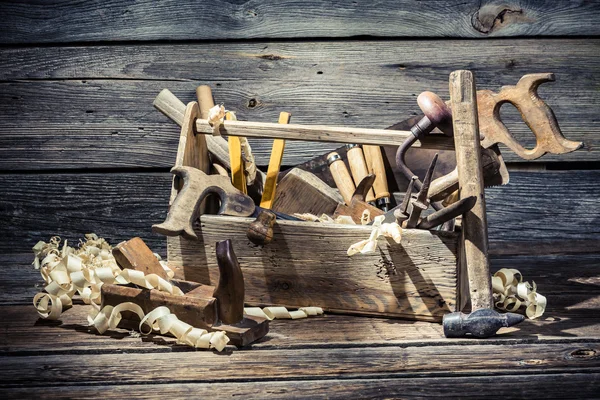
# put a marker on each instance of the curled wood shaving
(158, 320)
(272, 313)
(391, 230)
(511, 293)
(326, 219)
(365, 217)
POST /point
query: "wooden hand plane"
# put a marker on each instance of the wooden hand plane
(219, 308)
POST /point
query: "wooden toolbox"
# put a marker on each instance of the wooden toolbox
(307, 264)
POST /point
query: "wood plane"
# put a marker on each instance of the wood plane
(219, 308)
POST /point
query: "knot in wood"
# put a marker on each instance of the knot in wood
(490, 17)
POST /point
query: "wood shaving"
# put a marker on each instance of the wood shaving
(326, 219)
(391, 230)
(215, 118)
(272, 313)
(511, 293)
(365, 217)
(158, 320)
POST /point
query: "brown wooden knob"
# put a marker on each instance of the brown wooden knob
(260, 232)
(437, 111)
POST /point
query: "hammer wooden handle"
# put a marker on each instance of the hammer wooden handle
(358, 167)
(341, 176)
(470, 175)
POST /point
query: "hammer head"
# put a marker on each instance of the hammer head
(481, 323)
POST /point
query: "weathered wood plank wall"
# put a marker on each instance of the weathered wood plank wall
(81, 147)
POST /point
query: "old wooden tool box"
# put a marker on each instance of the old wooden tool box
(307, 264)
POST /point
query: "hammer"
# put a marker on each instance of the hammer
(483, 321)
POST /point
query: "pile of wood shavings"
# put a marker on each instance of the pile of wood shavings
(391, 230)
(68, 271)
(511, 293)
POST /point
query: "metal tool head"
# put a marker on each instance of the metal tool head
(448, 213)
(422, 196)
(421, 203)
(360, 193)
(494, 169)
(401, 213)
(481, 323)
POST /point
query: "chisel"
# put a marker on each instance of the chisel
(358, 167)
(375, 165)
(268, 196)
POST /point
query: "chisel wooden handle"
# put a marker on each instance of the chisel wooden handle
(470, 175)
(358, 167)
(375, 165)
(268, 196)
(341, 176)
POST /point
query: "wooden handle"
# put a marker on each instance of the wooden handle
(205, 100)
(443, 186)
(341, 176)
(358, 167)
(437, 111)
(470, 176)
(376, 166)
(230, 290)
(238, 178)
(268, 195)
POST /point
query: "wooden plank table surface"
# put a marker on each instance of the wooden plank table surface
(331, 356)
(82, 150)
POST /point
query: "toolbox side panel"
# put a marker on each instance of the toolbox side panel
(307, 265)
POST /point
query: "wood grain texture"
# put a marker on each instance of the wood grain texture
(306, 264)
(294, 364)
(463, 97)
(95, 102)
(55, 21)
(302, 192)
(558, 210)
(569, 385)
(570, 282)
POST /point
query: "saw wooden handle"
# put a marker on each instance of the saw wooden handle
(185, 209)
(470, 175)
(358, 167)
(341, 176)
(230, 290)
(535, 112)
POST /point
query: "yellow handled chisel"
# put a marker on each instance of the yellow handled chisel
(268, 195)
